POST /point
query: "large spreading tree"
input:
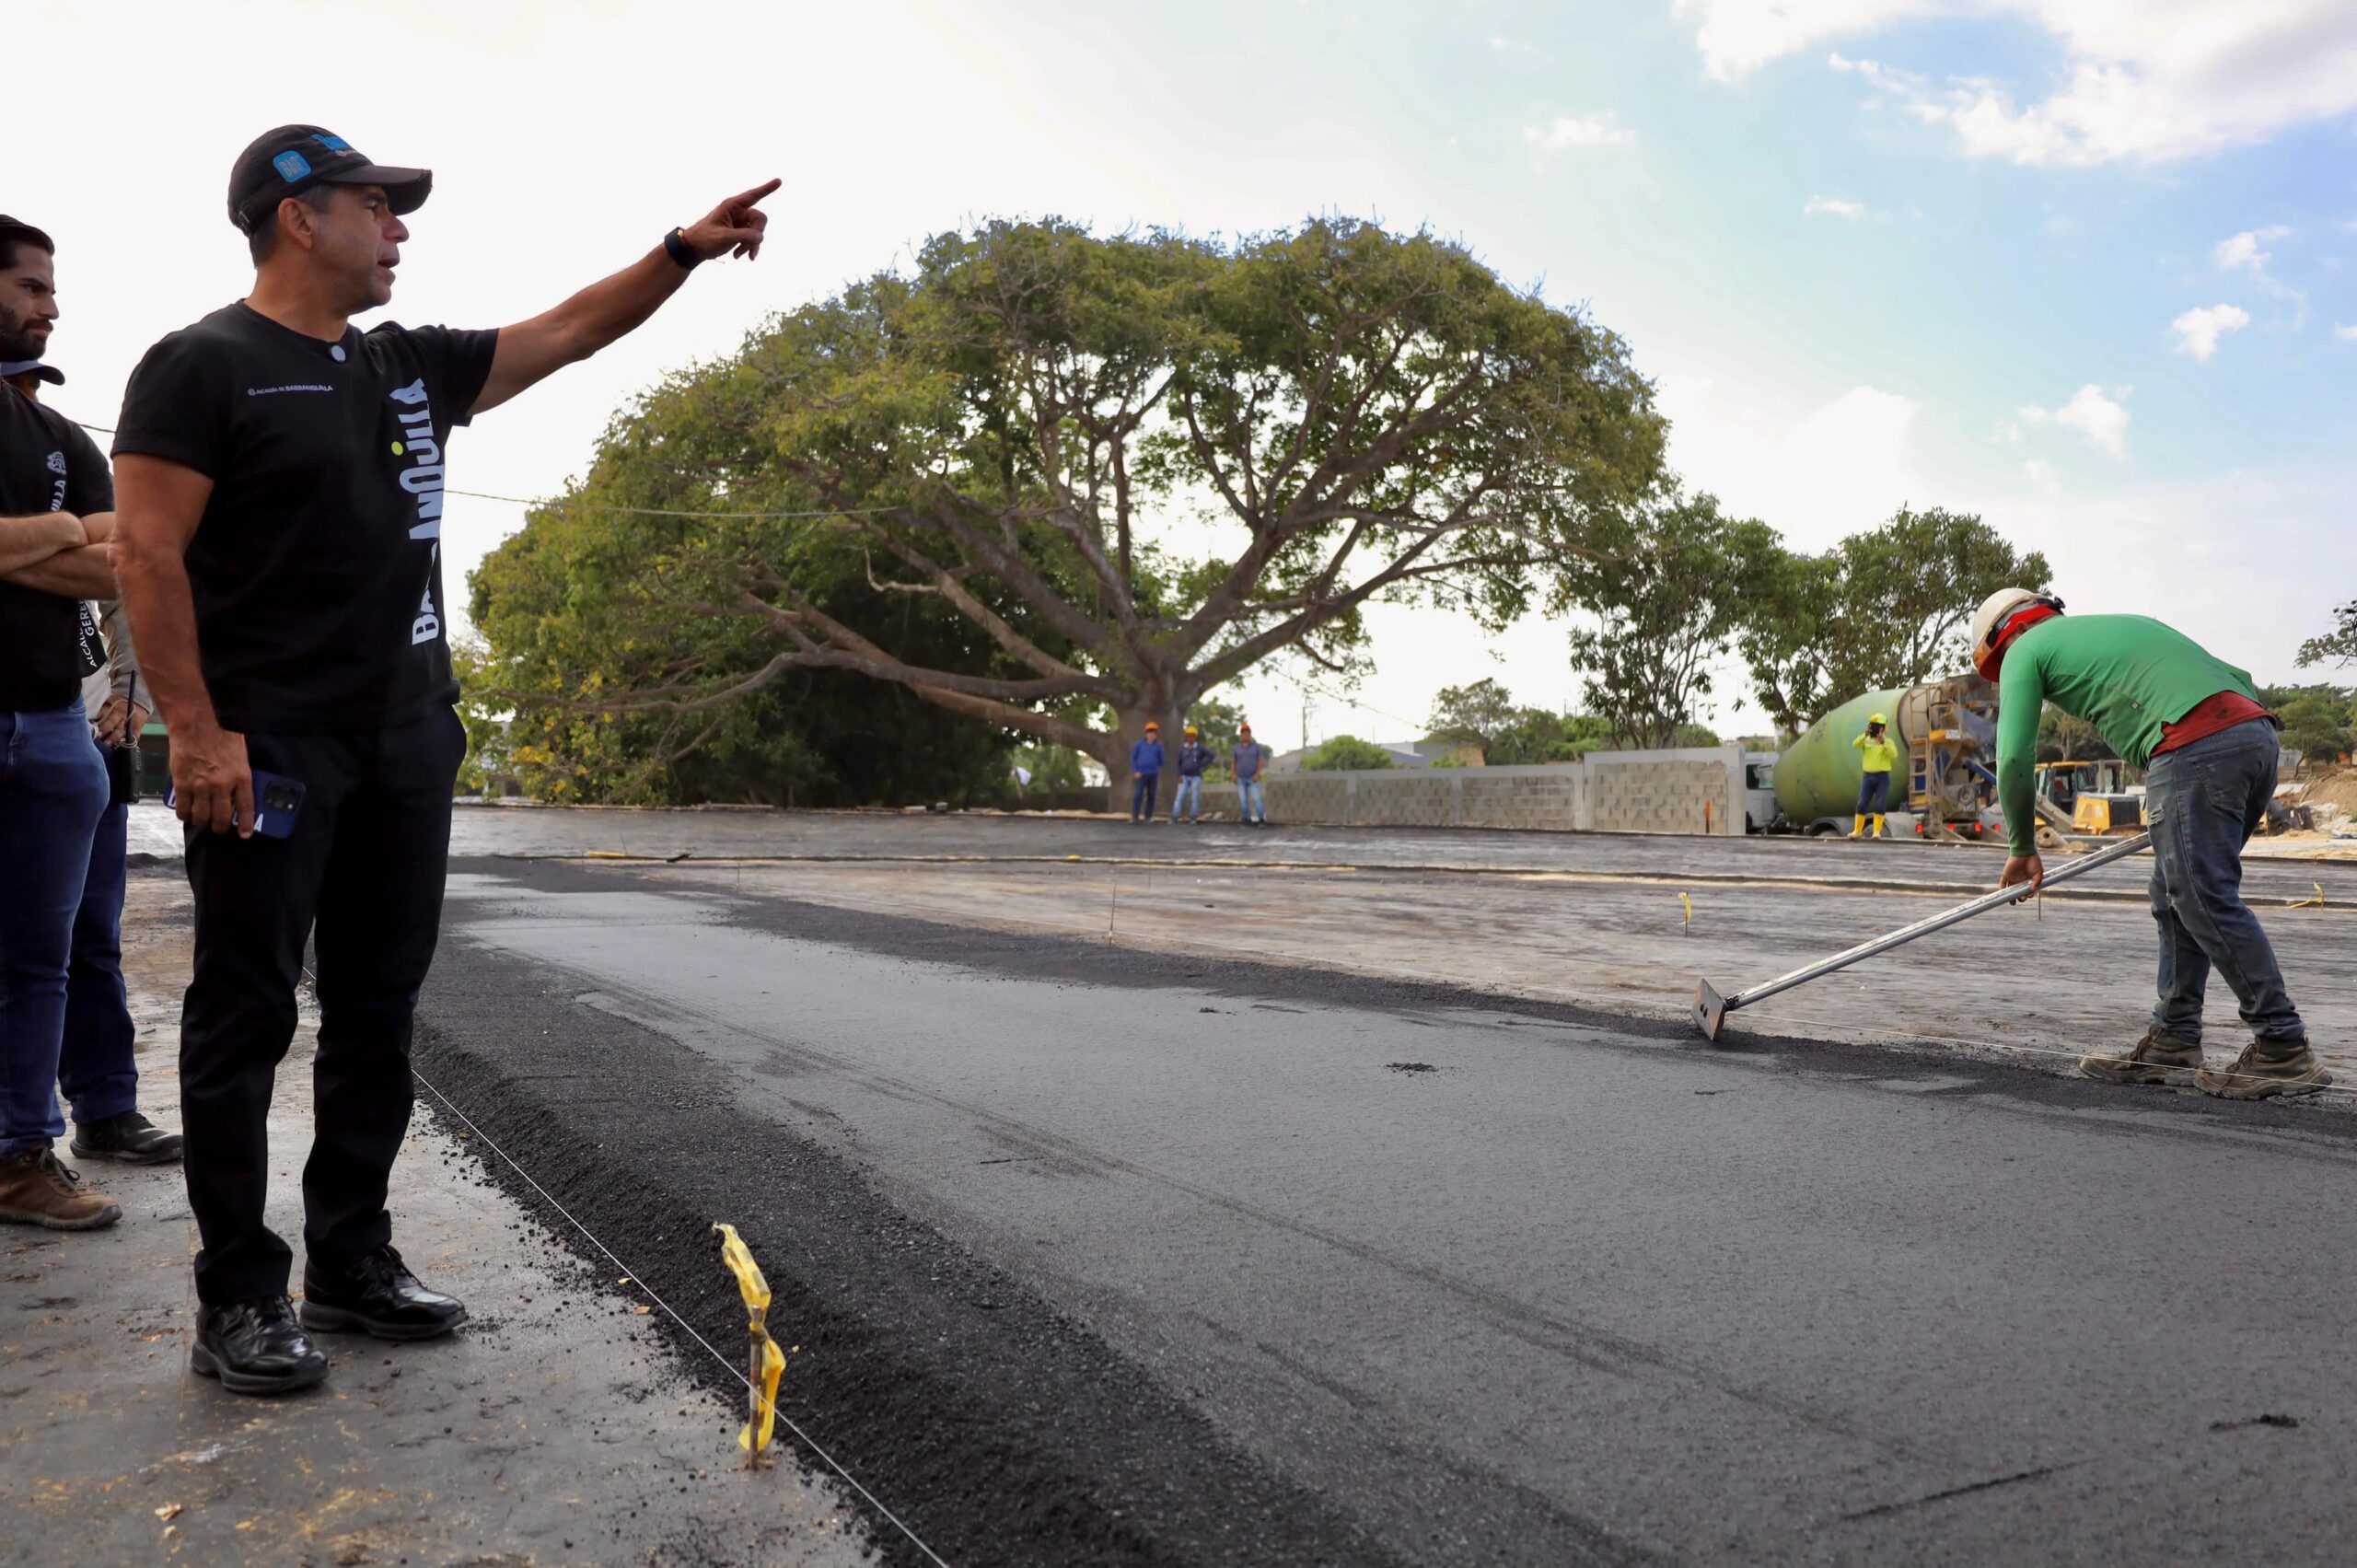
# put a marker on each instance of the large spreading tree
(1882, 608)
(1132, 467)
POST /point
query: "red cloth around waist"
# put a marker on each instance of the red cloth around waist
(2223, 710)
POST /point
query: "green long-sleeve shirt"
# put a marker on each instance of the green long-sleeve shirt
(2128, 675)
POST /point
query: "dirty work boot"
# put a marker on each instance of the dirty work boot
(1878, 833)
(2267, 1067)
(2156, 1059)
(255, 1347)
(36, 1190)
(131, 1138)
(1858, 831)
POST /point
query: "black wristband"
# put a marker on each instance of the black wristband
(675, 244)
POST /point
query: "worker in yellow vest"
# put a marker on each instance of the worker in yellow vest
(1880, 755)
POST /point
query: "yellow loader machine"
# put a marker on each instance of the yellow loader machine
(2094, 796)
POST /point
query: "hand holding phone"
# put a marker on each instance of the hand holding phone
(216, 788)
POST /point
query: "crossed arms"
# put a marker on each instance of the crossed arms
(58, 552)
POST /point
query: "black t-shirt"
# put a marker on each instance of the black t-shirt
(317, 568)
(47, 464)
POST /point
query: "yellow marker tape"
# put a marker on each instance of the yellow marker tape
(756, 1292)
(1688, 903)
(2317, 902)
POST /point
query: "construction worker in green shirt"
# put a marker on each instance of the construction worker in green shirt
(1881, 755)
(2195, 725)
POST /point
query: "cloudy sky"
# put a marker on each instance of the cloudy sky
(2084, 266)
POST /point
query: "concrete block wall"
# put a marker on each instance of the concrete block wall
(1692, 790)
(1629, 792)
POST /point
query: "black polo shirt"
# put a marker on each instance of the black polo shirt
(47, 464)
(317, 568)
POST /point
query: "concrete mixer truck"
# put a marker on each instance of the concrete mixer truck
(1949, 730)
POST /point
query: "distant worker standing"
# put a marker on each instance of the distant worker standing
(1251, 760)
(1193, 757)
(1145, 775)
(1880, 755)
(2194, 724)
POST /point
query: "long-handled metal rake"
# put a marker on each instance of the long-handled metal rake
(1710, 1009)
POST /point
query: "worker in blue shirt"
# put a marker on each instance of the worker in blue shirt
(1146, 773)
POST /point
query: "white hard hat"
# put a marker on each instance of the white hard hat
(1991, 618)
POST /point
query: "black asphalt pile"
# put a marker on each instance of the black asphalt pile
(999, 1430)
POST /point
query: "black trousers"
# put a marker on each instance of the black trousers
(361, 875)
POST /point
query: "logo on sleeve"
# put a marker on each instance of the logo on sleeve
(57, 462)
(422, 477)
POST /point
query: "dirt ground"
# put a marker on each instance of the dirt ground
(2044, 983)
(556, 1427)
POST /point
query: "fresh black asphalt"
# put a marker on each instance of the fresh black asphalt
(1096, 1255)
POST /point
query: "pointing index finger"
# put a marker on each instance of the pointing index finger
(749, 198)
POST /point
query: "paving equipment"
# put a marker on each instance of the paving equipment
(1949, 730)
(2090, 796)
(1710, 1009)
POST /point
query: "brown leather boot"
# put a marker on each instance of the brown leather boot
(36, 1190)
(2156, 1059)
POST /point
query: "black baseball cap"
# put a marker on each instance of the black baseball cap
(291, 159)
(11, 369)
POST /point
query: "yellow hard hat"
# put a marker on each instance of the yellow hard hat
(1191, 730)
(1877, 718)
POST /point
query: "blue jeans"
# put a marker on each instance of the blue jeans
(1250, 803)
(94, 1065)
(1189, 798)
(2202, 803)
(1143, 789)
(53, 788)
(1874, 794)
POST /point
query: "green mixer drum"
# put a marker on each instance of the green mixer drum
(1817, 775)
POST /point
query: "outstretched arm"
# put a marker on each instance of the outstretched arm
(531, 351)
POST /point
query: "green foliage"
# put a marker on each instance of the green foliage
(585, 613)
(1886, 608)
(1052, 767)
(2063, 737)
(2320, 722)
(1068, 482)
(1511, 734)
(1671, 587)
(2338, 646)
(1344, 754)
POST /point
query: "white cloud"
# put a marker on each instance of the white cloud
(2143, 80)
(1834, 206)
(2346, 334)
(1505, 45)
(2102, 420)
(2197, 331)
(1578, 131)
(2244, 252)
(1839, 467)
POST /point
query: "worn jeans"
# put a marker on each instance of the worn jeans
(53, 788)
(1250, 805)
(1874, 794)
(95, 1064)
(2202, 803)
(1189, 798)
(1144, 790)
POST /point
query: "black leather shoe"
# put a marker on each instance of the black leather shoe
(256, 1347)
(131, 1138)
(376, 1295)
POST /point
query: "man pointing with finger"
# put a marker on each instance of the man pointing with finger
(280, 485)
